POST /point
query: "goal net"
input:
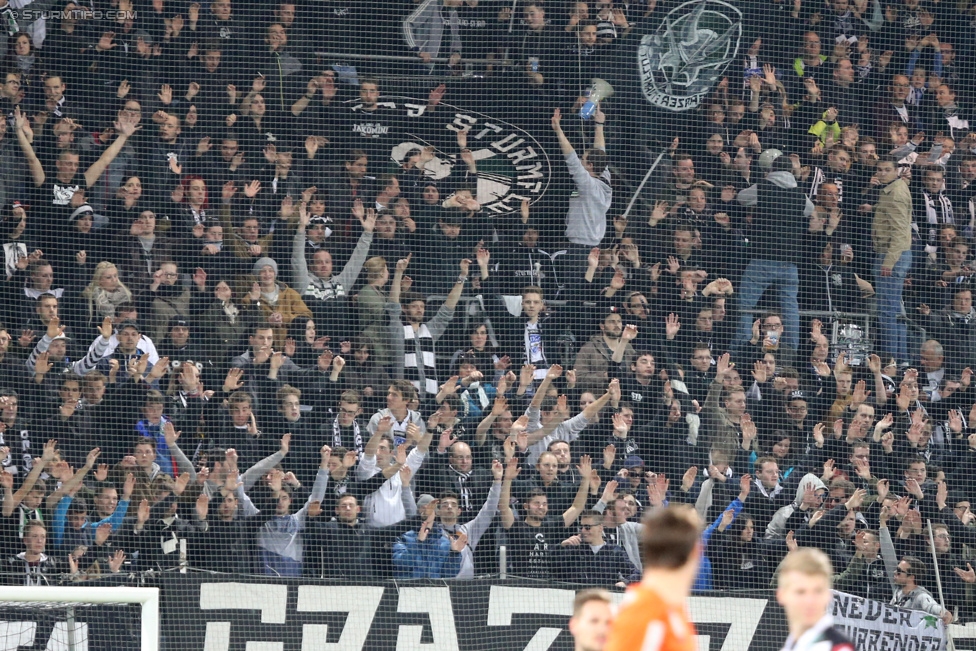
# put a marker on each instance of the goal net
(79, 619)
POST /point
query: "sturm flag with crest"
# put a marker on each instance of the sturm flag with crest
(675, 58)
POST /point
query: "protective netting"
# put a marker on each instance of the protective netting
(369, 291)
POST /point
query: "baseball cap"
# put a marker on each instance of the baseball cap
(633, 461)
(767, 157)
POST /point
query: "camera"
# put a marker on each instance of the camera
(851, 341)
(176, 364)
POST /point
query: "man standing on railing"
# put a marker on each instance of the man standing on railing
(779, 211)
(586, 221)
(892, 235)
(429, 28)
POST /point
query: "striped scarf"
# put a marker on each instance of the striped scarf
(418, 359)
(357, 438)
(938, 212)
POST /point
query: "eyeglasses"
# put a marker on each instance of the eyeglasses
(587, 527)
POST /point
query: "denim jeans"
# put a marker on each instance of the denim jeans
(893, 341)
(758, 276)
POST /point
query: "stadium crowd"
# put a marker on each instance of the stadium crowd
(240, 335)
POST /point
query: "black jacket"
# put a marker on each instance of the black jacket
(777, 217)
(607, 567)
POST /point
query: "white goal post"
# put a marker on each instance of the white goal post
(148, 598)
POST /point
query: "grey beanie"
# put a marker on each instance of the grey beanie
(265, 262)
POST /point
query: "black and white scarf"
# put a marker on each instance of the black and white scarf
(463, 491)
(324, 290)
(357, 438)
(418, 359)
(938, 212)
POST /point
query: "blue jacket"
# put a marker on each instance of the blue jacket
(60, 520)
(163, 455)
(704, 579)
(430, 559)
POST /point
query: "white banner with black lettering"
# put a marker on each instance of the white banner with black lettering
(876, 626)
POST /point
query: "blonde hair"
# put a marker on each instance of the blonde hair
(99, 300)
(374, 268)
(809, 561)
(584, 597)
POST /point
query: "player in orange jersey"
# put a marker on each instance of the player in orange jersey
(653, 615)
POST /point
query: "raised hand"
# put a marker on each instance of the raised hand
(723, 366)
(555, 121)
(92, 458)
(116, 561)
(745, 486)
(233, 381)
(251, 189)
(142, 514)
(955, 421)
(882, 487)
(748, 431)
(671, 326)
(967, 575)
(403, 263)
(181, 483)
(620, 426)
(911, 485)
(585, 465)
(857, 499)
(828, 470)
(426, 526)
(459, 542)
(50, 451)
(791, 542)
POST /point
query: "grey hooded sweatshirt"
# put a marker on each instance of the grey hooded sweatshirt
(783, 521)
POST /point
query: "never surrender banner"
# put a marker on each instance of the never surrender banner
(875, 626)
